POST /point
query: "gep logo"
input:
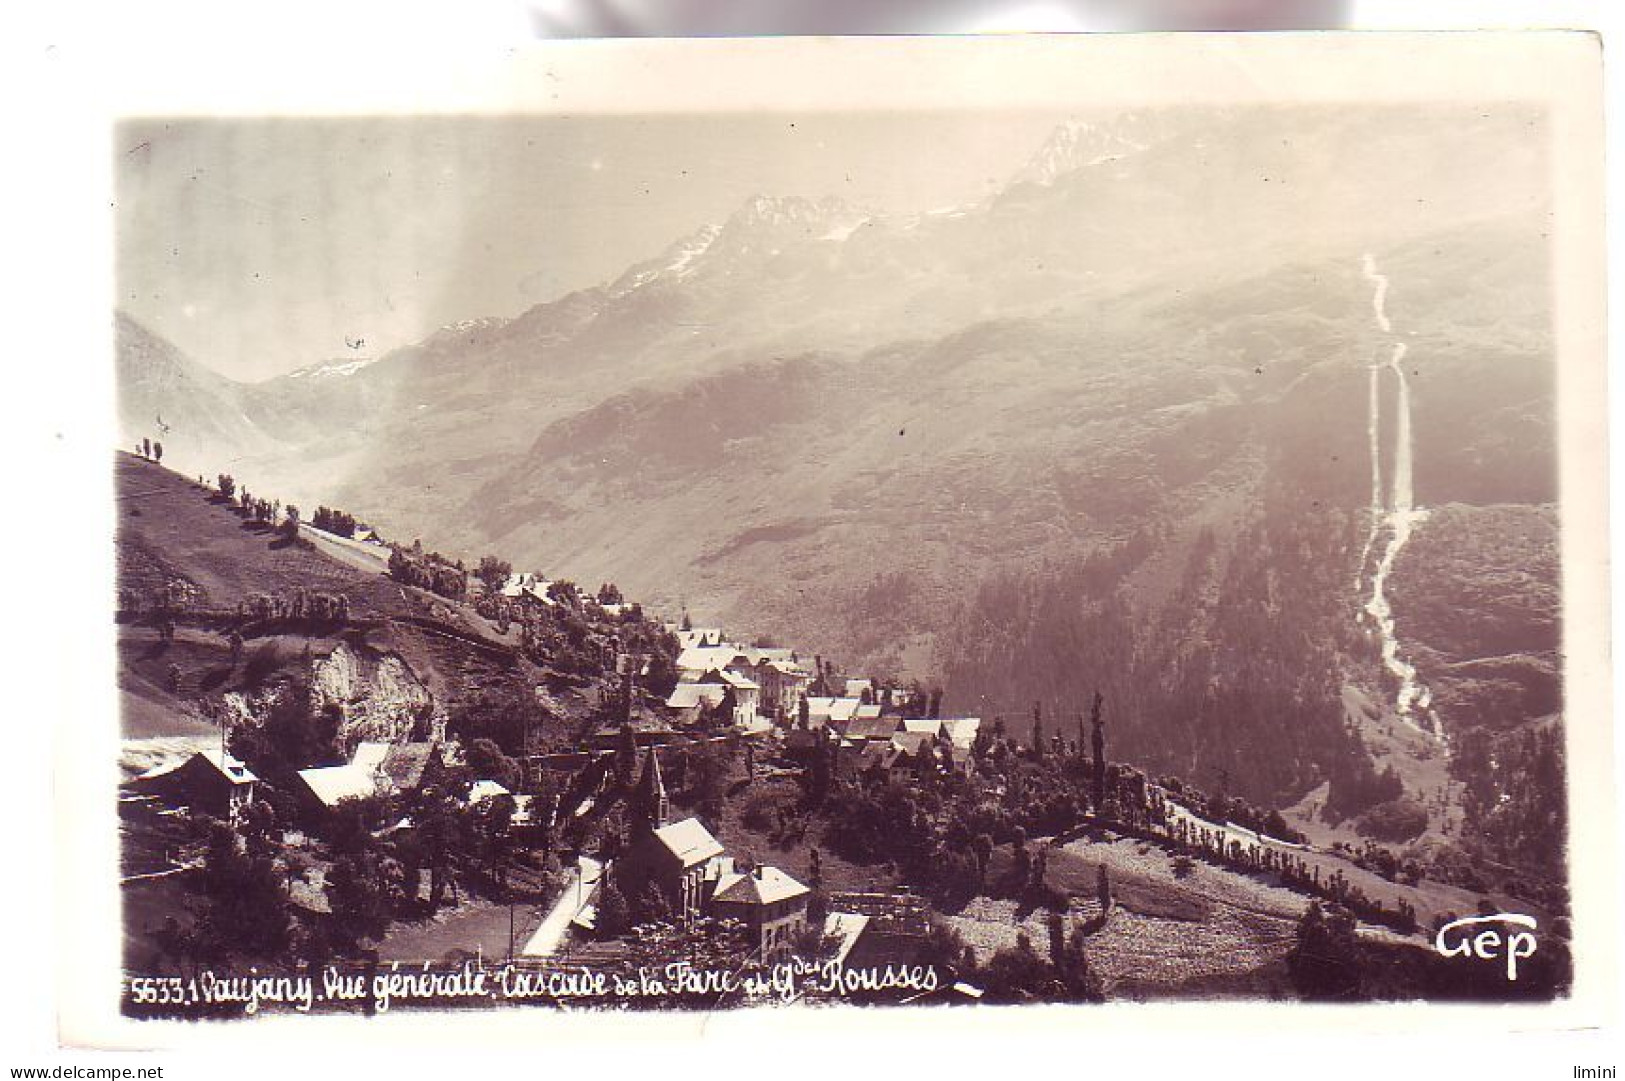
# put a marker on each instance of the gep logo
(1458, 938)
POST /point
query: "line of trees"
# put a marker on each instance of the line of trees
(301, 604)
(330, 520)
(431, 571)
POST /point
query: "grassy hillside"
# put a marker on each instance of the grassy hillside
(179, 539)
(175, 529)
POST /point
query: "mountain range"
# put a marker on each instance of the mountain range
(851, 429)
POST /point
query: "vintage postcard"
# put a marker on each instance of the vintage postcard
(906, 524)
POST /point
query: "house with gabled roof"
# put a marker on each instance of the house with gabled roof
(874, 759)
(483, 791)
(782, 681)
(747, 695)
(375, 769)
(698, 637)
(835, 712)
(529, 588)
(771, 903)
(955, 736)
(689, 696)
(692, 664)
(211, 780)
(916, 751)
(958, 739)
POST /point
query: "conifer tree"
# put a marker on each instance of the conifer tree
(1097, 740)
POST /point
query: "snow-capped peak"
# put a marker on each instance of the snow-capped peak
(1079, 144)
(677, 262)
(686, 251)
(815, 218)
(462, 326)
(330, 369)
(762, 225)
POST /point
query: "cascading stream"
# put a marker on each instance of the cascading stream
(1397, 516)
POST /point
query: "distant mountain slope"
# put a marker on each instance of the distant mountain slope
(159, 387)
(897, 439)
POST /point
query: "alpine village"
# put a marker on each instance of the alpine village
(349, 754)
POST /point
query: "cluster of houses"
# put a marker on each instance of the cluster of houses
(887, 746)
(771, 692)
(697, 878)
(527, 588)
(216, 782)
(865, 726)
(761, 682)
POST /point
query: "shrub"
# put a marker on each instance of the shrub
(614, 914)
(264, 660)
(1396, 821)
(764, 811)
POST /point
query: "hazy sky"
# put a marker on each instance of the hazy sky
(259, 246)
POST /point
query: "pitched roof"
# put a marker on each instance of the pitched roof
(402, 763)
(876, 753)
(405, 763)
(689, 695)
(867, 709)
(856, 687)
(761, 886)
(836, 709)
(705, 658)
(912, 742)
(369, 755)
(689, 841)
(962, 731)
(334, 784)
(870, 727)
(931, 725)
(789, 668)
(480, 791)
(848, 927)
(739, 682)
(527, 585)
(230, 767)
(699, 637)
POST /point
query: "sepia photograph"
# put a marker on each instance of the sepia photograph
(1004, 549)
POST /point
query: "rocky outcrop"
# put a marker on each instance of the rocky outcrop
(378, 696)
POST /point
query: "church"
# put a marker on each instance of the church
(695, 876)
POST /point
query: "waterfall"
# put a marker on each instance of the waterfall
(1373, 428)
(1398, 516)
(1404, 499)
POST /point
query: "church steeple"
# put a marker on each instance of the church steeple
(650, 807)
